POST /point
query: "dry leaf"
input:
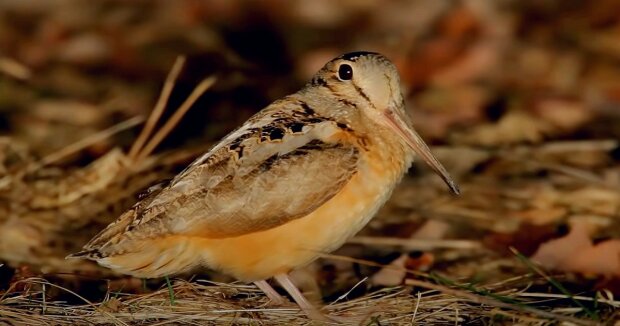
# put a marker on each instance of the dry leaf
(576, 252)
(394, 273)
(564, 114)
(516, 126)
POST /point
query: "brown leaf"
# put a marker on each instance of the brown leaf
(564, 114)
(576, 252)
(526, 239)
(516, 126)
(111, 305)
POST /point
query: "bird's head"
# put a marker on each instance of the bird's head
(368, 84)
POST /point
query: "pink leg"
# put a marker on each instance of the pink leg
(312, 312)
(274, 296)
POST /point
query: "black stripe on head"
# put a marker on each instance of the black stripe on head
(320, 81)
(347, 103)
(353, 56)
(363, 94)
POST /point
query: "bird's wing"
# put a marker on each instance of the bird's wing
(274, 169)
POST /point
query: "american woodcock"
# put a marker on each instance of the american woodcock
(293, 182)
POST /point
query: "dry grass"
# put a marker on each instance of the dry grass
(202, 302)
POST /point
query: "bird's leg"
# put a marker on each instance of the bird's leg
(312, 312)
(271, 293)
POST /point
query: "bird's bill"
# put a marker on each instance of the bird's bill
(400, 127)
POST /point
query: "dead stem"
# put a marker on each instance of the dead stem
(84, 143)
(159, 107)
(416, 244)
(175, 118)
(14, 69)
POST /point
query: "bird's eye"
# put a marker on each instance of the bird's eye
(345, 72)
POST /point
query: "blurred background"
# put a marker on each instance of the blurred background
(84, 66)
(520, 99)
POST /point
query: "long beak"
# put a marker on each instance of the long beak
(398, 124)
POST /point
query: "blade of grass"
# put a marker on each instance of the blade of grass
(170, 291)
(175, 118)
(84, 143)
(159, 107)
(527, 262)
(472, 288)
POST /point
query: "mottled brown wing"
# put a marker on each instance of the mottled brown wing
(227, 193)
(280, 189)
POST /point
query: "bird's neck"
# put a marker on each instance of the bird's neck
(387, 147)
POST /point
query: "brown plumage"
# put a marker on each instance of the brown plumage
(296, 180)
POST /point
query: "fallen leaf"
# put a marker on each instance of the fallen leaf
(516, 126)
(565, 114)
(576, 252)
(394, 273)
(526, 239)
(111, 305)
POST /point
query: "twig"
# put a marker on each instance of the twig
(175, 118)
(346, 294)
(159, 107)
(84, 143)
(553, 296)
(416, 244)
(579, 145)
(417, 305)
(577, 173)
(14, 68)
(551, 147)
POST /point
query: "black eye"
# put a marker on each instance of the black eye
(345, 72)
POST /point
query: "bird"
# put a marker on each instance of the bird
(292, 183)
